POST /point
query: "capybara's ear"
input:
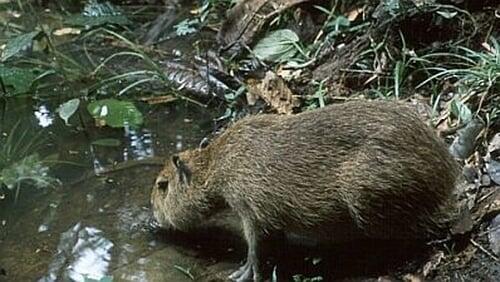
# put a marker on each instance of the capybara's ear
(162, 184)
(182, 170)
(176, 161)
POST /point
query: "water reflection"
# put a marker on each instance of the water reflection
(139, 145)
(44, 116)
(178, 143)
(31, 231)
(83, 252)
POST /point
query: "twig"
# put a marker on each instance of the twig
(186, 272)
(490, 230)
(477, 245)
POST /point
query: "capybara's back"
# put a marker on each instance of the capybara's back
(349, 171)
(360, 168)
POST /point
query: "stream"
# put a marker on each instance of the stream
(93, 225)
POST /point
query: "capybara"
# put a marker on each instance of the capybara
(359, 169)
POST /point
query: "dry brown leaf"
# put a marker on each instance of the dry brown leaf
(487, 204)
(67, 31)
(274, 91)
(412, 278)
(158, 99)
(251, 96)
(353, 15)
(432, 264)
(288, 74)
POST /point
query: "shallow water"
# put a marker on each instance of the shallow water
(95, 225)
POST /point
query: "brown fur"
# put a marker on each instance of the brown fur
(359, 169)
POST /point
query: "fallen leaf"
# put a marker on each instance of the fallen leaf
(493, 168)
(494, 146)
(488, 205)
(353, 15)
(432, 264)
(274, 91)
(67, 31)
(158, 99)
(494, 235)
(251, 98)
(412, 278)
(463, 145)
(288, 74)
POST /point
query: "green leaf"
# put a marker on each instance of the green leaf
(460, 111)
(67, 109)
(19, 79)
(17, 44)
(115, 113)
(277, 46)
(107, 142)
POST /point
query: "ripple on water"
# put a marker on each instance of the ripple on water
(82, 252)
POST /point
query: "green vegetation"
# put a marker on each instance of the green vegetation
(19, 161)
(109, 61)
(324, 53)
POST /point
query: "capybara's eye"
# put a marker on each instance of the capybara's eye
(163, 185)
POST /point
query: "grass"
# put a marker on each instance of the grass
(137, 77)
(477, 71)
(473, 77)
(20, 162)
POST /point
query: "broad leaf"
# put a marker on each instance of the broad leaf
(115, 113)
(18, 44)
(18, 79)
(460, 111)
(277, 46)
(67, 109)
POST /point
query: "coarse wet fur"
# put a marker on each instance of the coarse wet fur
(355, 170)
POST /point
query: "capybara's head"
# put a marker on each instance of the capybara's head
(177, 201)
